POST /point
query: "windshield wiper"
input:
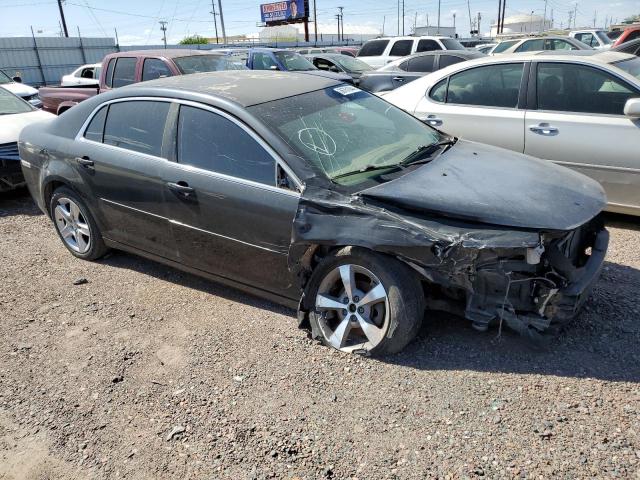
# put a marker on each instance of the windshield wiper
(424, 153)
(368, 168)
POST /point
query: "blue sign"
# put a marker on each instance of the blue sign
(289, 11)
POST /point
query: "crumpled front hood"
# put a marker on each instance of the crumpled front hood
(480, 183)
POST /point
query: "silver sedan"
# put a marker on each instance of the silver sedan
(581, 110)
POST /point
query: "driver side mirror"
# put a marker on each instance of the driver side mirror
(632, 108)
(17, 79)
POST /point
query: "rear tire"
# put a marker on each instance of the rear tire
(365, 302)
(75, 225)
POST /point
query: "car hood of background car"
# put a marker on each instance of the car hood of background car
(11, 125)
(20, 89)
(480, 183)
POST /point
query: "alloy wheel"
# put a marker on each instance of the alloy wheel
(353, 307)
(72, 225)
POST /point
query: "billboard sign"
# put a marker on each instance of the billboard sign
(278, 12)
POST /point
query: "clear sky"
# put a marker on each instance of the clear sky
(137, 20)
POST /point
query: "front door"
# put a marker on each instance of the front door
(228, 216)
(479, 104)
(119, 158)
(579, 122)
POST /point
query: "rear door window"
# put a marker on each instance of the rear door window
(124, 72)
(531, 46)
(263, 61)
(136, 125)
(423, 63)
(427, 45)
(401, 48)
(587, 38)
(490, 86)
(212, 142)
(155, 68)
(446, 60)
(578, 88)
(557, 44)
(373, 48)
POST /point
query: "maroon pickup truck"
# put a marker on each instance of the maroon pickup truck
(125, 68)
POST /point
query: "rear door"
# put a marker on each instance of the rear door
(480, 103)
(577, 120)
(119, 157)
(227, 213)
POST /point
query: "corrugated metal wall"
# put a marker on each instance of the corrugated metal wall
(44, 60)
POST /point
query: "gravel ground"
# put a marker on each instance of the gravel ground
(146, 372)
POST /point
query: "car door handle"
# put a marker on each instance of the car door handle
(398, 79)
(181, 187)
(85, 162)
(544, 129)
(433, 121)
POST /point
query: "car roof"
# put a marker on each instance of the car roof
(411, 37)
(168, 53)
(244, 87)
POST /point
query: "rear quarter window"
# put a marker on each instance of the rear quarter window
(124, 72)
(401, 48)
(373, 48)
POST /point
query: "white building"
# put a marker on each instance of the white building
(522, 24)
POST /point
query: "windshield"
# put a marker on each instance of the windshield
(631, 66)
(604, 38)
(351, 64)
(347, 134)
(294, 62)
(502, 46)
(451, 44)
(10, 104)
(4, 78)
(204, 63)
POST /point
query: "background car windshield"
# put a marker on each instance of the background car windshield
(10, 104)
(204, 63)
(502, 46)
(4, 78)
(451, 44)
(632, 66)
(342, 129)
(293, 61)
(352, 64)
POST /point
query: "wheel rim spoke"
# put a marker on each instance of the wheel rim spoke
(75, 211)
(328, 303)
(82, 243)
(348, 279)
(66, 232)
(340, 335)
(63, 212)
(373, 333)
(83, 228)
(374, 295)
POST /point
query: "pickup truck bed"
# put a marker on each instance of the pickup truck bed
(58, 99)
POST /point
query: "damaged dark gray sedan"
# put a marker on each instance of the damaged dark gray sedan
(322, 197)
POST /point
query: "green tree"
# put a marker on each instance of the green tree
(194, 40)
(632, 19)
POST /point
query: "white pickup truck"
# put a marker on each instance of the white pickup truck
(595, 38)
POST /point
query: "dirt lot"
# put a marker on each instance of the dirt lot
(146, 372)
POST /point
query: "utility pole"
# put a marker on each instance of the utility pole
(64, 22)
(479, 18)
(384, 18)
(402, 17)
(224, 33)
(531, 23)
(499, 13)
(398, 17)
(470, 26)
(544, 16)
(338, 17)
(454, 23)
(315, 21)
(163, 27)
(570, 18)
(438, 28)
(504, 8)
(551, 24)
(415, 22)
(575, 15)
(595, 17)
(215, 23)
(341, 37)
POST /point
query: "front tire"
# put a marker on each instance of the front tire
(75, 225)
(365, 302)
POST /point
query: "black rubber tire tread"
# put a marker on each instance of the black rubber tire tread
(404, 290)
(98, 248)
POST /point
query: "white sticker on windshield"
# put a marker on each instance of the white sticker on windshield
(346, 90)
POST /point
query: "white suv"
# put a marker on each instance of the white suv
(381, 51)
